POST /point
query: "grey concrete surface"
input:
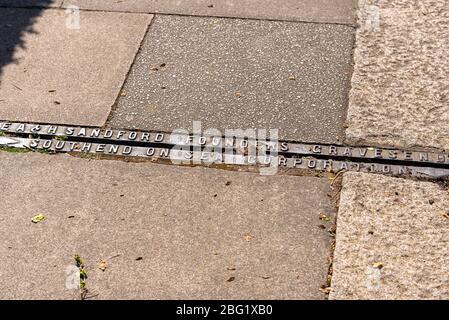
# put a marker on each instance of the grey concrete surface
(30, 3)
(392, 239)
(400, 88)
(331, 11)
(240, 74)
(193, 228)
(64, 75)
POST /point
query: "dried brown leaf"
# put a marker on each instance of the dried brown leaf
(102, 266)
(248, 237)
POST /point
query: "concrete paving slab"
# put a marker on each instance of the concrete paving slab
(165, 232)
(392, 239)
(330, 11)
(30, 3)
(52, 73)
(400, 88)
(240, 74)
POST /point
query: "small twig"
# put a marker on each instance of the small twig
(87, 297)
(336, 176)
(113, 257)
(83, 293)
(17, 87)
(29, 148)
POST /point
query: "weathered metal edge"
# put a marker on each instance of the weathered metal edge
(144, 138)
(268, 163)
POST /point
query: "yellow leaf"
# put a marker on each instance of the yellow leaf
(37, 218)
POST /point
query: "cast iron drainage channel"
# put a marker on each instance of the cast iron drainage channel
(182, 148)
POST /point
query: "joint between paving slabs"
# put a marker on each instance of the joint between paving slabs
(336, 183)
(63, 7)
(121, 91)
(443, 180)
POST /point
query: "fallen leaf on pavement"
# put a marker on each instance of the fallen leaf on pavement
(102, 266)
(248, 237)
(37, 218)
(326, 290)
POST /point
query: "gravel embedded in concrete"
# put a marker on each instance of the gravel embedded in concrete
(240, 74)
(400, 88)
(392, 239)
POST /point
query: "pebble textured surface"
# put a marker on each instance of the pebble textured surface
(330, 11)
(400, 86)
(165, 232)
(392, 239)
(240, 74)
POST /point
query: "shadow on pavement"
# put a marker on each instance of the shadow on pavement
(15, 23)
